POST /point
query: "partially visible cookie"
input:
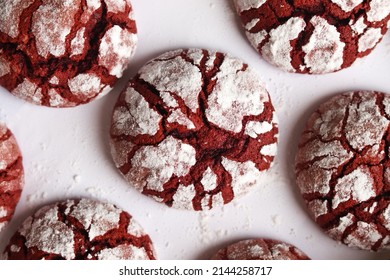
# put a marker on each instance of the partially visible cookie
(11, 175)
(80, 230)
(194, 129)
(343, 168)
(64, 53)
(314, 37)
(260, 249)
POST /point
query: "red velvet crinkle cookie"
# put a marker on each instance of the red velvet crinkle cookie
(260, 249)
(194, 129)
(63, 53)
(314, 36)
(11, 175)
(80, 230)
(343, 168)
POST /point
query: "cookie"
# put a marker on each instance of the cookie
(194, 129)
(260, 249)
(80, 230)
(11, 175)
(343, 168)
(64, 53)
(314, 36)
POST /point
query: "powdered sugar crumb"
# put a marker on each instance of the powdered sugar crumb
(276, 220)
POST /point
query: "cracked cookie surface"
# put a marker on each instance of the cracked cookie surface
(80, 230)
(260, 249)
(314, 36)
(343, 168)
(64, 53)
(11, 175)
(194, 129)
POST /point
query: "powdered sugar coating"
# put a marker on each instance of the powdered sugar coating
(185, 79)
(341, 167)
(211, 106)
(4, 67)
(123, 252)
(116, 49)
(78, 42)
(278, 48)
(69, 40)
(369, 39)
(260, 249)
(140, 119)
(347, 5)
(47, 234)
(51, 23)
(159, 164)
(29, 91)
(244, 5)
(314, 37)
(379, 10)
(325, 50)
(11, 175)
(53, 232)
(12, 9)
(357, 185)
(236, 94)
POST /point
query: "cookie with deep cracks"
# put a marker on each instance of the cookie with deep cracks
(11, 175)
(64, 53)
(343, 168)
(194, 129)
(80, 230)
(314, 36)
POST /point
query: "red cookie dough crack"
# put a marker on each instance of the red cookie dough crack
(11, 175)
(260, 249)
(194, 129)
(343, 168)
(83, 230)
(64, 53)
(314, 36)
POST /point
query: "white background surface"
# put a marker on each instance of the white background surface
(66, 152)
